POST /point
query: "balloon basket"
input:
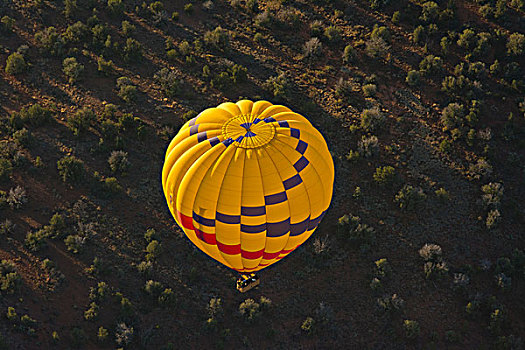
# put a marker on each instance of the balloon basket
(247, 282)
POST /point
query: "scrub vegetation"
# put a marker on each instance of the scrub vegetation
(422, 104)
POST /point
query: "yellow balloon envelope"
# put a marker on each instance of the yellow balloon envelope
(248, 182)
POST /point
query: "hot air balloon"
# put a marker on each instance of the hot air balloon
(248, 182)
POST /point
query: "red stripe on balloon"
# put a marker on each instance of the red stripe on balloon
(206, 237)
(287, 251)
(187, 223)
(269, 256)
(252, 255)
(229, 249)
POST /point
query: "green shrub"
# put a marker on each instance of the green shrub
(429, 12)
(153, 250)
(445, 44)
(348, 54)
(70, 169)
(368, 146)
(264, 19)
(277, 85)
(384, 175)
(132, 50)
(218, 39)
(17, 197)
(249, 308)
(70, 8)
(102, 334)
(10, 280)
(350, 228)
(22, 137)
(153, 288)
(116, 7)
(105, 67)
(6, 167)
(188, 8)
(36, 240)
(332, 34)
(50, 41)
(11, 314)
(118, 161)
(467, 39)
(123, 334)
(74, 243)
(127, 28)
(411, 328)
(111, 186)
(316, 28)
(238, 73)
(145, 268)
(35, 115)
(430, 65)
(15, 64)
(516, 44)
(100, 292)
(409, 197)
(7, 227)
(92, 312)
(413, 78)
(445, 146)
(493, 218)
(75, 33)
(372, 119)
(418, 35)
(127, 91)
(7, 23)
(369, 90)
(377, 47)
(172, 55)
(99, 33)
(168, 81)
(492, 194)
(72, 69)
(396, 17)
(167, 297)
(452, 116)
(81, 120)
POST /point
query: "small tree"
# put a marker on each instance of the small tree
(409, 197)
(118, 161)
(168, 81)
(72, 69)
(516, 44)
(384, 175)
(15, 64)
(127, 91)
(70, 169)
(81, 120)
(413, 78)
(218, 39)
(132, 50)
(116, 7)
(249, 308)
(312, 48)
(372, 119)
(412, 329)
